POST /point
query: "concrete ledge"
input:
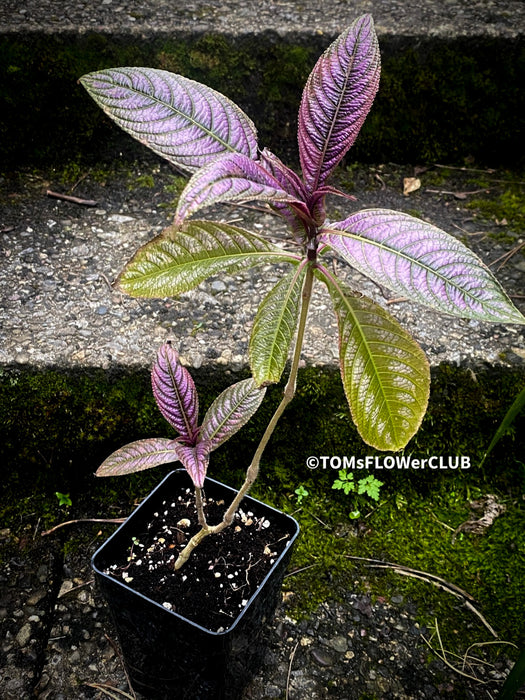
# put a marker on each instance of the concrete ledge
(451, 86)
(58, 308)
(503, 18)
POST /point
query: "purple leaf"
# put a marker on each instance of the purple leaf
(419, 261)
(195, 460)
(139, 455)
(288, 179)
(232, 178)
(230, 411)
(336, 99)
(183, 121)
(292, 183)
(175, 393)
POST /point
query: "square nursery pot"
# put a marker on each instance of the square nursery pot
(166, 654)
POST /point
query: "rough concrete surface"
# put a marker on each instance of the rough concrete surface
(428, 18)
(59, 258)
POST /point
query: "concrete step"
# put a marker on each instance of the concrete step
(451, 86)
(59, 258)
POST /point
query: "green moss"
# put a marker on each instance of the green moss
(438, 101)
(145, 180)
(414, 531)
(56, 428)
(504, 206)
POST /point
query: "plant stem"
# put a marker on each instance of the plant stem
(253, 470)
(200, 508)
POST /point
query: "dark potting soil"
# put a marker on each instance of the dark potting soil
(222, 573)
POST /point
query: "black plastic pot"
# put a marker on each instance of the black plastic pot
(168, 656)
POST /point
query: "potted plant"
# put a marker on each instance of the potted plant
(385, 374)
(199, 632)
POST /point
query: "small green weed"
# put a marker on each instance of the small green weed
(301, 493)
(367, 486)
(63, 499)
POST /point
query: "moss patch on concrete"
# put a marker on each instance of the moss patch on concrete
(56, 427)
(438, 101)
(505, 206)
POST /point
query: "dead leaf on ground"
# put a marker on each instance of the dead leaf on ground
(411, 184)
(491, 509)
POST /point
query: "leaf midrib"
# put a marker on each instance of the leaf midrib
(356, 324)
(381, 246)
(179, 112)
(270, 356)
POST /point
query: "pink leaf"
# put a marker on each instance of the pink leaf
(336, 99)
(186, 122)
(175, 393)
(139, 455)
(231, 178)
(417, 260)
(195, 460)
(230, 411)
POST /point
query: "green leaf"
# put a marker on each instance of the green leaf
(274, 328)
(181, 258)
(385, 373)
(370, 485)
(516, 408)
(64, 499)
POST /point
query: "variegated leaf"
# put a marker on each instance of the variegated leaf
(175, 393)
(274, 328)
(183, 121)
(137, 456)
(336, 99)
(231, 178)
(195, 460)
(419, 261)
(230, 411)
(386, 376)
(180, 259)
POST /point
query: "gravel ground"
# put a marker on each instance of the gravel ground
(428, 17)
(58, 258)
(58, 641)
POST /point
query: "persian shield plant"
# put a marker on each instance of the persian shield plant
(176, 396)
(385, 373)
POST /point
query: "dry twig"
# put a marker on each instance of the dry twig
(111, 691)
(467, 660)
(429, 578)
(290, 669)
(84, 520)
(504, 259)
(71, 198)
